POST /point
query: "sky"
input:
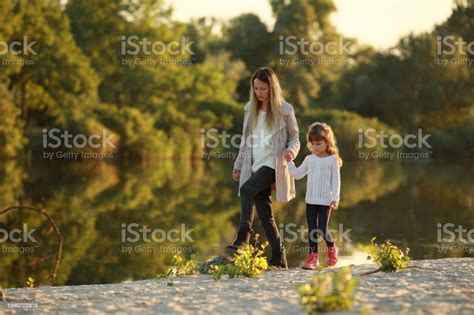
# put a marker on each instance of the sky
(380, 23)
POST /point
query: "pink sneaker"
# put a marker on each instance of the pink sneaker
(332, 256)
(312, 261)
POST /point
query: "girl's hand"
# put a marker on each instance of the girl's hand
(236, 175)
(288, 155)
(334, 205)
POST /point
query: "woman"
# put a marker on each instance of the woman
(270, 133)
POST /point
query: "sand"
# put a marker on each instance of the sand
(449, 290)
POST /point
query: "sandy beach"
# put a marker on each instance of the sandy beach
(448, 289)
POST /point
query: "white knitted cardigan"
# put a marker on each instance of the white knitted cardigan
(324, 179)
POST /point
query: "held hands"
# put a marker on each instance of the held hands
(334, 205)
(288, 155)
(236, 175)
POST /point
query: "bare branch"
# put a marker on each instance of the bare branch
(59, 249)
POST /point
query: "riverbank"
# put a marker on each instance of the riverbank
(447, 289)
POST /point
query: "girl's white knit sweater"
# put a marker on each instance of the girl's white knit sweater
(324, 179)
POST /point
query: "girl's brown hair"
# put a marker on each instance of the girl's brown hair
(273, 116)
(323, 132)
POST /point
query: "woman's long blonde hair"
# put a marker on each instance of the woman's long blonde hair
(321, 131)
(273, 116)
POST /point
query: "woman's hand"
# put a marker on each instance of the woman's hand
(334, 205)
(236, 175)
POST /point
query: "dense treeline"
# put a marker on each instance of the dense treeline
(76, 77)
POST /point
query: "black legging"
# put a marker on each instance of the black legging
(318, 219)
(257, 191)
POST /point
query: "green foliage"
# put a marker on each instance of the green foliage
(135, 128)
(216, 271)
(78, 80)
(248, 39)
(60, 86)
(389, 85)
(11, 128)
(414, 86)
(326, 293)
(246, 34)
(180, 267)
(30, 282)
(389, 257)
(456, 140)
(250, 261)
(346, 126)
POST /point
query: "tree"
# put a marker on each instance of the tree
(60, 86)
(11, 128)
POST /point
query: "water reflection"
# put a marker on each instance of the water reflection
(91, 201)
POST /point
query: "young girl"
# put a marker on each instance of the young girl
(322, 189)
